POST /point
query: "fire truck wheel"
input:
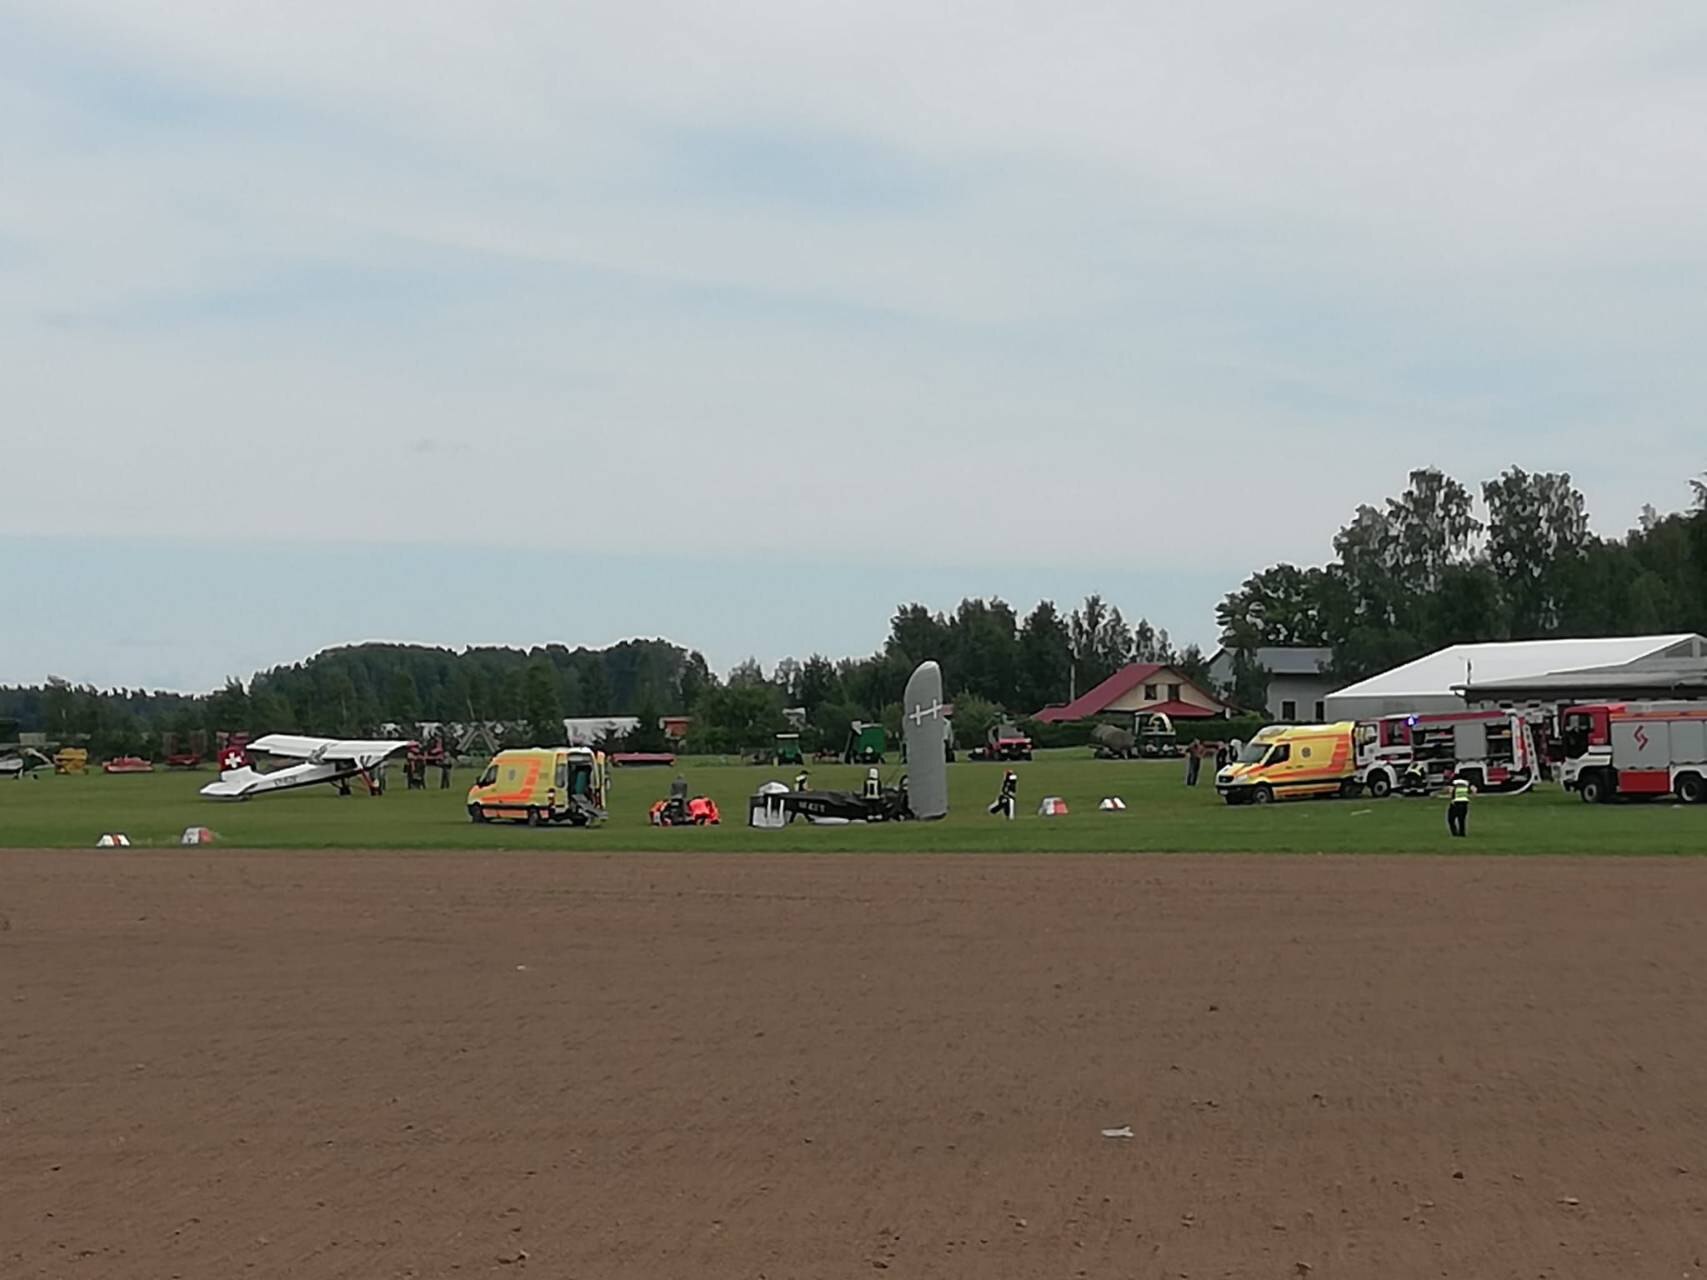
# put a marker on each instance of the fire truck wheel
(1592, 789)
(1379, 785)
(1691, 789)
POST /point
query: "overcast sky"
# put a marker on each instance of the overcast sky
(740, 322)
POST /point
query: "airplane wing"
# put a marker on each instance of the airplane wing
(361, 751)
(289, 745)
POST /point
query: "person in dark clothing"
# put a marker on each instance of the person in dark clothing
(1458, 809)
(1193, 763)
(1005, 799)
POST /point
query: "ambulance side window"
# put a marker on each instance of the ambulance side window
(1280, 755)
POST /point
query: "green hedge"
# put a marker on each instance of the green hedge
(1077, 733)
(1071, 733)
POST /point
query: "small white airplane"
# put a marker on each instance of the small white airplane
(26, 761)
(322, 760)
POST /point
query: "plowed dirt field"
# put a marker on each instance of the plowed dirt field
(216, 1064)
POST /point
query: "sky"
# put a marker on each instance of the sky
(742, 323)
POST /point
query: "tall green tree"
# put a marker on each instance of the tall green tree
(819, 684)
(982, 648)
(403, 702)
(1537, 537)
(974, 716)
(543, 702)
(917, 635)
(1101, 641)
(1044, 659)
(695, 679)
(648, 735)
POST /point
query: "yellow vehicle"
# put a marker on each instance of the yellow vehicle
(74, 760)
(537, 785)
(1284, 762)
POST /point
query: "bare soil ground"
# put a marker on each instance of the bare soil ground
(218, 1064)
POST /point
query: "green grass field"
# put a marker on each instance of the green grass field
(1162, 815)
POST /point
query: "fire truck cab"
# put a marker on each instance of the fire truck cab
(1636, 749)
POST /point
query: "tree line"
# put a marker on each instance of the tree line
(1432, 567)
(994, 662)
(1436, 565)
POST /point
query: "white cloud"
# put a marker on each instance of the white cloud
(1139, 273)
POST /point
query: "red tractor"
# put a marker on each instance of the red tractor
(1004, 742)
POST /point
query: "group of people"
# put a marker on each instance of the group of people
(1223, 753)
(415, 771)
(871, 789)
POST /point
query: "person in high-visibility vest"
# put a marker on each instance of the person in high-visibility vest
(1458, 808)
(1004, 802)
(873, 785)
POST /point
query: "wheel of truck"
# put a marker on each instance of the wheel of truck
(1691, 789)
(1380, 785)
(1263, 794)
(1350, 789)
(533, 817)
(476, 813)
(1592, 789)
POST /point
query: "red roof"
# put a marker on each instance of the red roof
(1095, 701)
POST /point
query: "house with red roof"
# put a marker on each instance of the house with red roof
(1141, 686)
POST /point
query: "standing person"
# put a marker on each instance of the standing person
(1458, 808)
(873, 785)
(1194, 764)
(802, 782)
(1004, 801)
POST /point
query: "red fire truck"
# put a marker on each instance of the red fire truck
(1636, 749)
(1493, 750)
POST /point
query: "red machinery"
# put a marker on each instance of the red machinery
(701, 811)
(128, 764)
(1636, 749)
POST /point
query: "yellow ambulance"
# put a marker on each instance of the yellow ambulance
(537, 785)
(1285, 762)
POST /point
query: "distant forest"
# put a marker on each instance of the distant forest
(994, 658)
(1430, 567)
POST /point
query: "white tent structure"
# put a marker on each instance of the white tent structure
(1436, 682)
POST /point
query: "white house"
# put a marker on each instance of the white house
(1297, 687)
